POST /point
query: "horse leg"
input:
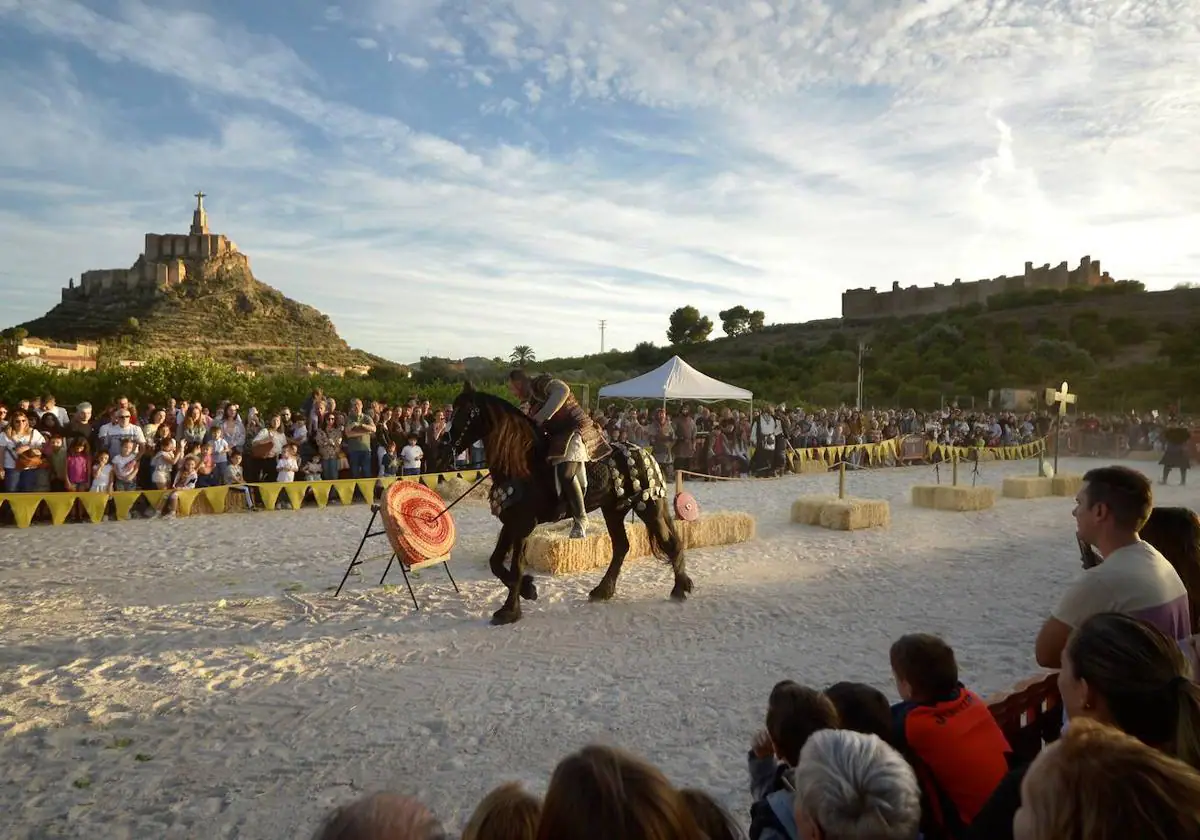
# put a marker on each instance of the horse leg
(511, 611)
(528, 588)
(667, 544)
(615, 521)
(503, 544)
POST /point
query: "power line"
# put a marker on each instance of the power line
(602, 325)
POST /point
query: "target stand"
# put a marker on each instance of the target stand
(419, 528)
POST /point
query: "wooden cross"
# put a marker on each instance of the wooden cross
(1062, 398)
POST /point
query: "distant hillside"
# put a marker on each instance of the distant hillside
(220, 311)
(1119, 347)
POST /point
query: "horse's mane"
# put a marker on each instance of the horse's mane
(513, 436)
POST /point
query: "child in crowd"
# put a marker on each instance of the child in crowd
(102, 474)
(390, 464)
(862, 708)
(714, 821)
(507, 813)
(56, 457)
(185, 479)
(79, 465)
(312, 468)
(794, 713)
(947, 733)
(125, 467)
(236, 478)
(220, 453)
(286, 464)
(410, 457)
(162, 465)
(206, 468)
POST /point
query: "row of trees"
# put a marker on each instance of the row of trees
(688, 326)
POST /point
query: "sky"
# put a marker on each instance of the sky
(457, 177)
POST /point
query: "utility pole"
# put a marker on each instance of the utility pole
(863, 349)
(602, 325)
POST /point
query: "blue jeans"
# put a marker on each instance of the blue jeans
(20, 481)
(329, 468)
(360, 463)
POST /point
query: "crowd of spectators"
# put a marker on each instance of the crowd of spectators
(845, 763)
(182, 443)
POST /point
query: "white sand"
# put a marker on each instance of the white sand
(196, 678)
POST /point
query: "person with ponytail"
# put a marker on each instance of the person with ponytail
(1124, 673)
(1175, 532)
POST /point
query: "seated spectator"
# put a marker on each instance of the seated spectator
(852, 786)
(1134, 578)
(381, 816)
(507, 813)
(602, 793)
(862, 708)
(1175, 533)
(947, 733)
(1097, 783)
(794, 713)
(714, 822)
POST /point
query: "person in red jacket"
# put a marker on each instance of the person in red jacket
(948, 734)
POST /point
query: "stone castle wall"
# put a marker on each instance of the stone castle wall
(863, 304)
(161, 266)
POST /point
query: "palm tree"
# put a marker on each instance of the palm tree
(522, 355)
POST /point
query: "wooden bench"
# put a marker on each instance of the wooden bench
(1030, 714)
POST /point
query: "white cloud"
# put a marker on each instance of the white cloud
(367, 43)
(771, 153)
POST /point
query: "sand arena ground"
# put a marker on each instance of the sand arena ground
(196, 678)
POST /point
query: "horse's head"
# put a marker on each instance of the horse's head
(466, 423)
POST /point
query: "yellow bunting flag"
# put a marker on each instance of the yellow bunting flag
(155, 497)
(295, 491)
(320, 492)
(123, 502)
(366, 486)
(269, 491)
(386, 481)
(186, 499)
(215, 496)
(94, 504)
(345, 490)
(59, 505)
(23, 506)
(430, 481)
(470, 476)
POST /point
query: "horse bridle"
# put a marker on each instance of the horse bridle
(456, 445)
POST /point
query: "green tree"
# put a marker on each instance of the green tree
(646, 353)
(13, 336)
(755, 324)
(522, 355)
(688, 326)
(735, 321)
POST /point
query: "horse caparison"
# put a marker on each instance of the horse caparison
(524, 495)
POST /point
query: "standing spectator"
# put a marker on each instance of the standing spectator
(125, 466)
(265, 449)
(662, 442)
(122, 428)
(232, 428)
(685, 440)
(410, 456)
(329, 446)
(51, 406)
(79, 465)
(22, 445)
(358, 430)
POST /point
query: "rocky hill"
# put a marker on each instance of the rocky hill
(220, 311)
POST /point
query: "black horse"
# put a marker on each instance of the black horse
(524, 495)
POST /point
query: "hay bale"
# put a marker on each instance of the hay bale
(1026, 487)
(806, 510)
(1066, 484)
(955, 498)
(809, 467)
(550, 550)
(452, 488)
(852, 514)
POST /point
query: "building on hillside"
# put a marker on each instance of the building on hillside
(163, 263)
(39, 353)
(867, 304)
(1013, 399)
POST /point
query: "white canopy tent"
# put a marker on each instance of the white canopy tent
(675, 380)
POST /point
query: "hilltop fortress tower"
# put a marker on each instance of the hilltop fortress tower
(163, 264)
(865, 304)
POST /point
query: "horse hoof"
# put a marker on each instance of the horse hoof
(505, 616)
(601, 593)
(682, 588)
(528, 588)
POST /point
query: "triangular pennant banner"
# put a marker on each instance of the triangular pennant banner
(295, 492)
(123, 502)
(386, 481)
(366, 486)
(59, 505)
(215, 496)
(94, 504)
(320, 492)
(345, 490)
(470, 476)
(430, 480)
(155, 497)
(23, 506)
(186, 499)
(269, 491)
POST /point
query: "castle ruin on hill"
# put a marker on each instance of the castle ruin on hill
(162, 265)
(866, 304)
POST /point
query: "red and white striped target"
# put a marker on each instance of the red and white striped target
(686, 507)
(417, 523)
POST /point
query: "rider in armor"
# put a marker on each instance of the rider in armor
(574, 438)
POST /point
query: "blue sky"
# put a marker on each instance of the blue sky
(455, 178)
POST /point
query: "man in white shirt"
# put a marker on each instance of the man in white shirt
(113, 433)
(1133, 578)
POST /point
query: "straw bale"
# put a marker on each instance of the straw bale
(1026, 487)
(550, 550)
(453, 487)
(806, 510)
(955, 498)
(809, 466)
(852, 514)
(1066, 484)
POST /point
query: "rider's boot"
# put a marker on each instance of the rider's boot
(572, 490)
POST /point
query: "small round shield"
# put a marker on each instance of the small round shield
(417, 523)
(686, 507)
